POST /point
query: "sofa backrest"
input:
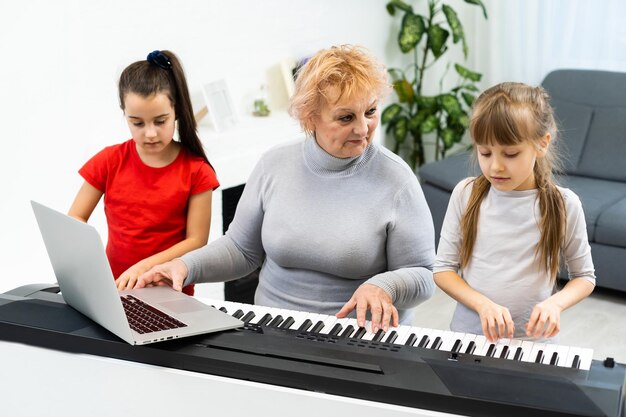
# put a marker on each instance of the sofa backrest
(590, 107)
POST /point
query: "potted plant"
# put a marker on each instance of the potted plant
(445, 115)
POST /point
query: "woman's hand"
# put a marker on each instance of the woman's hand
(496, 321)
(172, 273)
(378, 301)
(545, 320)
(129, 278)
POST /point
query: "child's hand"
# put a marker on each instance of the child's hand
(545, 320)
(496, 321)
(129, 278)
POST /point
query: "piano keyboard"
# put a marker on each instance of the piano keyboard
(443, 340)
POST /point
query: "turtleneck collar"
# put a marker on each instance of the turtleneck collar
(324, 164)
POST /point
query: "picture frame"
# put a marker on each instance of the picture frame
(219, 104)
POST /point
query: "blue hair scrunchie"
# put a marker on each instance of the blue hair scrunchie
(159, 59)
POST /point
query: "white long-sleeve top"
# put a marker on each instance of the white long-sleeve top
(503, 265)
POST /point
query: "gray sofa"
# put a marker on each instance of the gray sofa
(590, 107)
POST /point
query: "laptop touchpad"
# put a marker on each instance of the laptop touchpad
(183, 306)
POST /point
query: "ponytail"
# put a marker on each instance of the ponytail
(162, 72)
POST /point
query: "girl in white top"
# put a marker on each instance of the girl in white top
(505, 230)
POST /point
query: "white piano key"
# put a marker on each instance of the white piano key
(500, 345)
(298, 318)
(514, 344)
(563, 352)
(479, 342)
(485, 348)
(467, 339)
(547, 352)
(329, 323)
(403, 333)
(535, 351)
(450, 339)
(585, 355)
(369, 335)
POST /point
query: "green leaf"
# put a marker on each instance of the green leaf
(451, 105)
(400, 129)
(411, 32)
(426, 101)
(465, 73)
(464, 122)
(396, 74)
(478, 3)
(415, 123)
(468, 98)
(398, 4)
(404, 90)
(470, 87)
(430, 124)
(448, 137)
(455, 26)
(437, 38)
(390, 113)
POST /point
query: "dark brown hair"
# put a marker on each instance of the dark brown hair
(509, 114)
(145, 79)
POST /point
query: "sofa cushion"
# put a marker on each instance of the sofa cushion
(605, 147)
(596, 197)
(573, 121)
(447, 173)
(611, 227)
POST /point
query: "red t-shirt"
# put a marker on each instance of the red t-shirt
(145, 207)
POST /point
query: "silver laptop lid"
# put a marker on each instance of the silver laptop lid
(82, 269)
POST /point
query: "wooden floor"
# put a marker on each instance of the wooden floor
(598, 322)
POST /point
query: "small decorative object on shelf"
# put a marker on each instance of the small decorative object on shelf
(260, 104)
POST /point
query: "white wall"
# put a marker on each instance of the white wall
(59, 64)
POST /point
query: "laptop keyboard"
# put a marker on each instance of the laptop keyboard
(143, 318)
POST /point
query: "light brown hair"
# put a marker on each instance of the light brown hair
(509, 114)
(349, 70)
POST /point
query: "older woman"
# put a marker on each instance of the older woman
(337, 222)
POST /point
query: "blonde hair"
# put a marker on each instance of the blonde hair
(509, 114)
(350, 70)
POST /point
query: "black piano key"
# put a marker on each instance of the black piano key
(539, 358)
(287, 323)
(360, 333)
(518, 354)
(379, 335)
(456, 347)
(436, 343)
(318, 326)
(504, 353)
(276, 321)
(223, 310)
(305, 325)
(237, 314)
(348, 331)
(554, 359)
(491, 351)
(411, 340)
(471, 347)
(265, 319)
(249, 316)
(392, 337)
(424, 342)
(576, 362)
(337, 328)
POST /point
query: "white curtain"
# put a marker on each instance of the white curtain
(523, 40)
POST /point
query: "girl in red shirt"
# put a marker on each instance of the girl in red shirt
(157, 190)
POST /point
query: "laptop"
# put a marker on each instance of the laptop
(84, 276)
